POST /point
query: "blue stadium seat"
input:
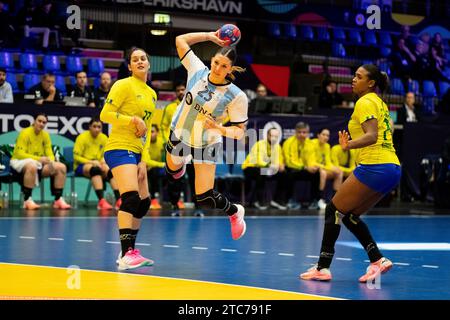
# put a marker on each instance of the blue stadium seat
(60, 84)
(95, 67)
(306, 32)
(443, 87)
(51, 63)
(370, 38)
(290, 31)
(28, 62)
(274, 30)
(385, 51)
(73, 64)
(397, 86)
(413, 86)
(385, 39)
(384, 66)
(323, 34)
(29, 80)
(338, 50)
(11, 78)
(6, 60)
(429, 90)
(339, 34)
(354, 36)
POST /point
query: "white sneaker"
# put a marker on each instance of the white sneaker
(30, 204)
(260, 207)
(277, 205)
(322, 204)
(238, 225)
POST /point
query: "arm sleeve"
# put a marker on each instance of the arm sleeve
(21, 147)
(238, 109)
(111, 111)
(192, 63)
(366, 110)
(48, 147)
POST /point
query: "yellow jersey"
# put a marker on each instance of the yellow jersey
(322, 154)
(87, 148)
(298, 155)
(263, 155)
(154, 155)
(370, 106)
(166, 121)
(31, 145)
(345, 160)
(127, 98)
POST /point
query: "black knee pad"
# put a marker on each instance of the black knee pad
(212, 199)
(144, 205)
(95, 171)
(332, 215)
(109, 175)
(130, 202)
(351, 219)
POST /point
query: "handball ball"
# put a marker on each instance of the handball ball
(230, 33)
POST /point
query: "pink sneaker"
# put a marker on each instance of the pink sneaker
(30, 205)
(238, 225)
(61, 204)
(118, 204)
(376, 268)
(314, 274)
(132, 260)
(104, 205)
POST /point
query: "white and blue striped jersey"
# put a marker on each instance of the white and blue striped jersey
(205, 98)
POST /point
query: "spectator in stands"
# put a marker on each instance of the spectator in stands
(328, 171)
(261, 91)
(409, 111)
(437, 58)
(102, 91)
(6, 26)
(82, 90)
(344, 159)
(405, 34)
(45, 17)
(46, 90)
(330, 98)
(155, 165)
(298, 152)
(33, 158)
(6, 93)
(422, 67)
(425, 38)
(264, 163)
(26, 19)
(402, 60)
(89, 162)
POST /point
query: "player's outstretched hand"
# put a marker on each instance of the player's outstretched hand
(344, 138)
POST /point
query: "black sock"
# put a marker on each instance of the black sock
(26, 193)
(362, 233)
(127, 239)
(330, 236)
(99, 194)
(232, 210)
(116, 194)
(134, 234)
(57, 193)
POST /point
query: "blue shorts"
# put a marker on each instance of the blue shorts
(379, 177)
(79, 170)
(115, 158)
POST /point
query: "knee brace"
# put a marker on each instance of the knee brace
(212, 199)
(144, 205)
(130, 202)
(95, 171)
(332, 215)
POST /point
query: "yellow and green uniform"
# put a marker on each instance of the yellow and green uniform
(87, 148)
(167, 115)
(154, 158)
(32, 145)
(370, 106)
(345, 160)
(127, 98)
(322, 154)
(298, 155)
(261, 156)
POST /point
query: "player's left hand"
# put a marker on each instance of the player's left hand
(344, 138)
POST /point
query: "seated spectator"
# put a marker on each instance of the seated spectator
(422, 67)
(344, 159)
(410, 40)
(89, 162)
(26, 19)
(45, 17)
(102, 91)
(261, 91)
(6, 93)
(409, 111)
(402, 60)
(6, 26)
(33, 158)
(46, 90)
(330, 98)
(264, 163)
(437, 59)
(299, 157)
(153, 157)
(82, 90)
(328, 171)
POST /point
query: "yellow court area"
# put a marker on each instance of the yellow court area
(19, 281)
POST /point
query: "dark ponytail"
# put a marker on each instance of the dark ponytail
(380, 77)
